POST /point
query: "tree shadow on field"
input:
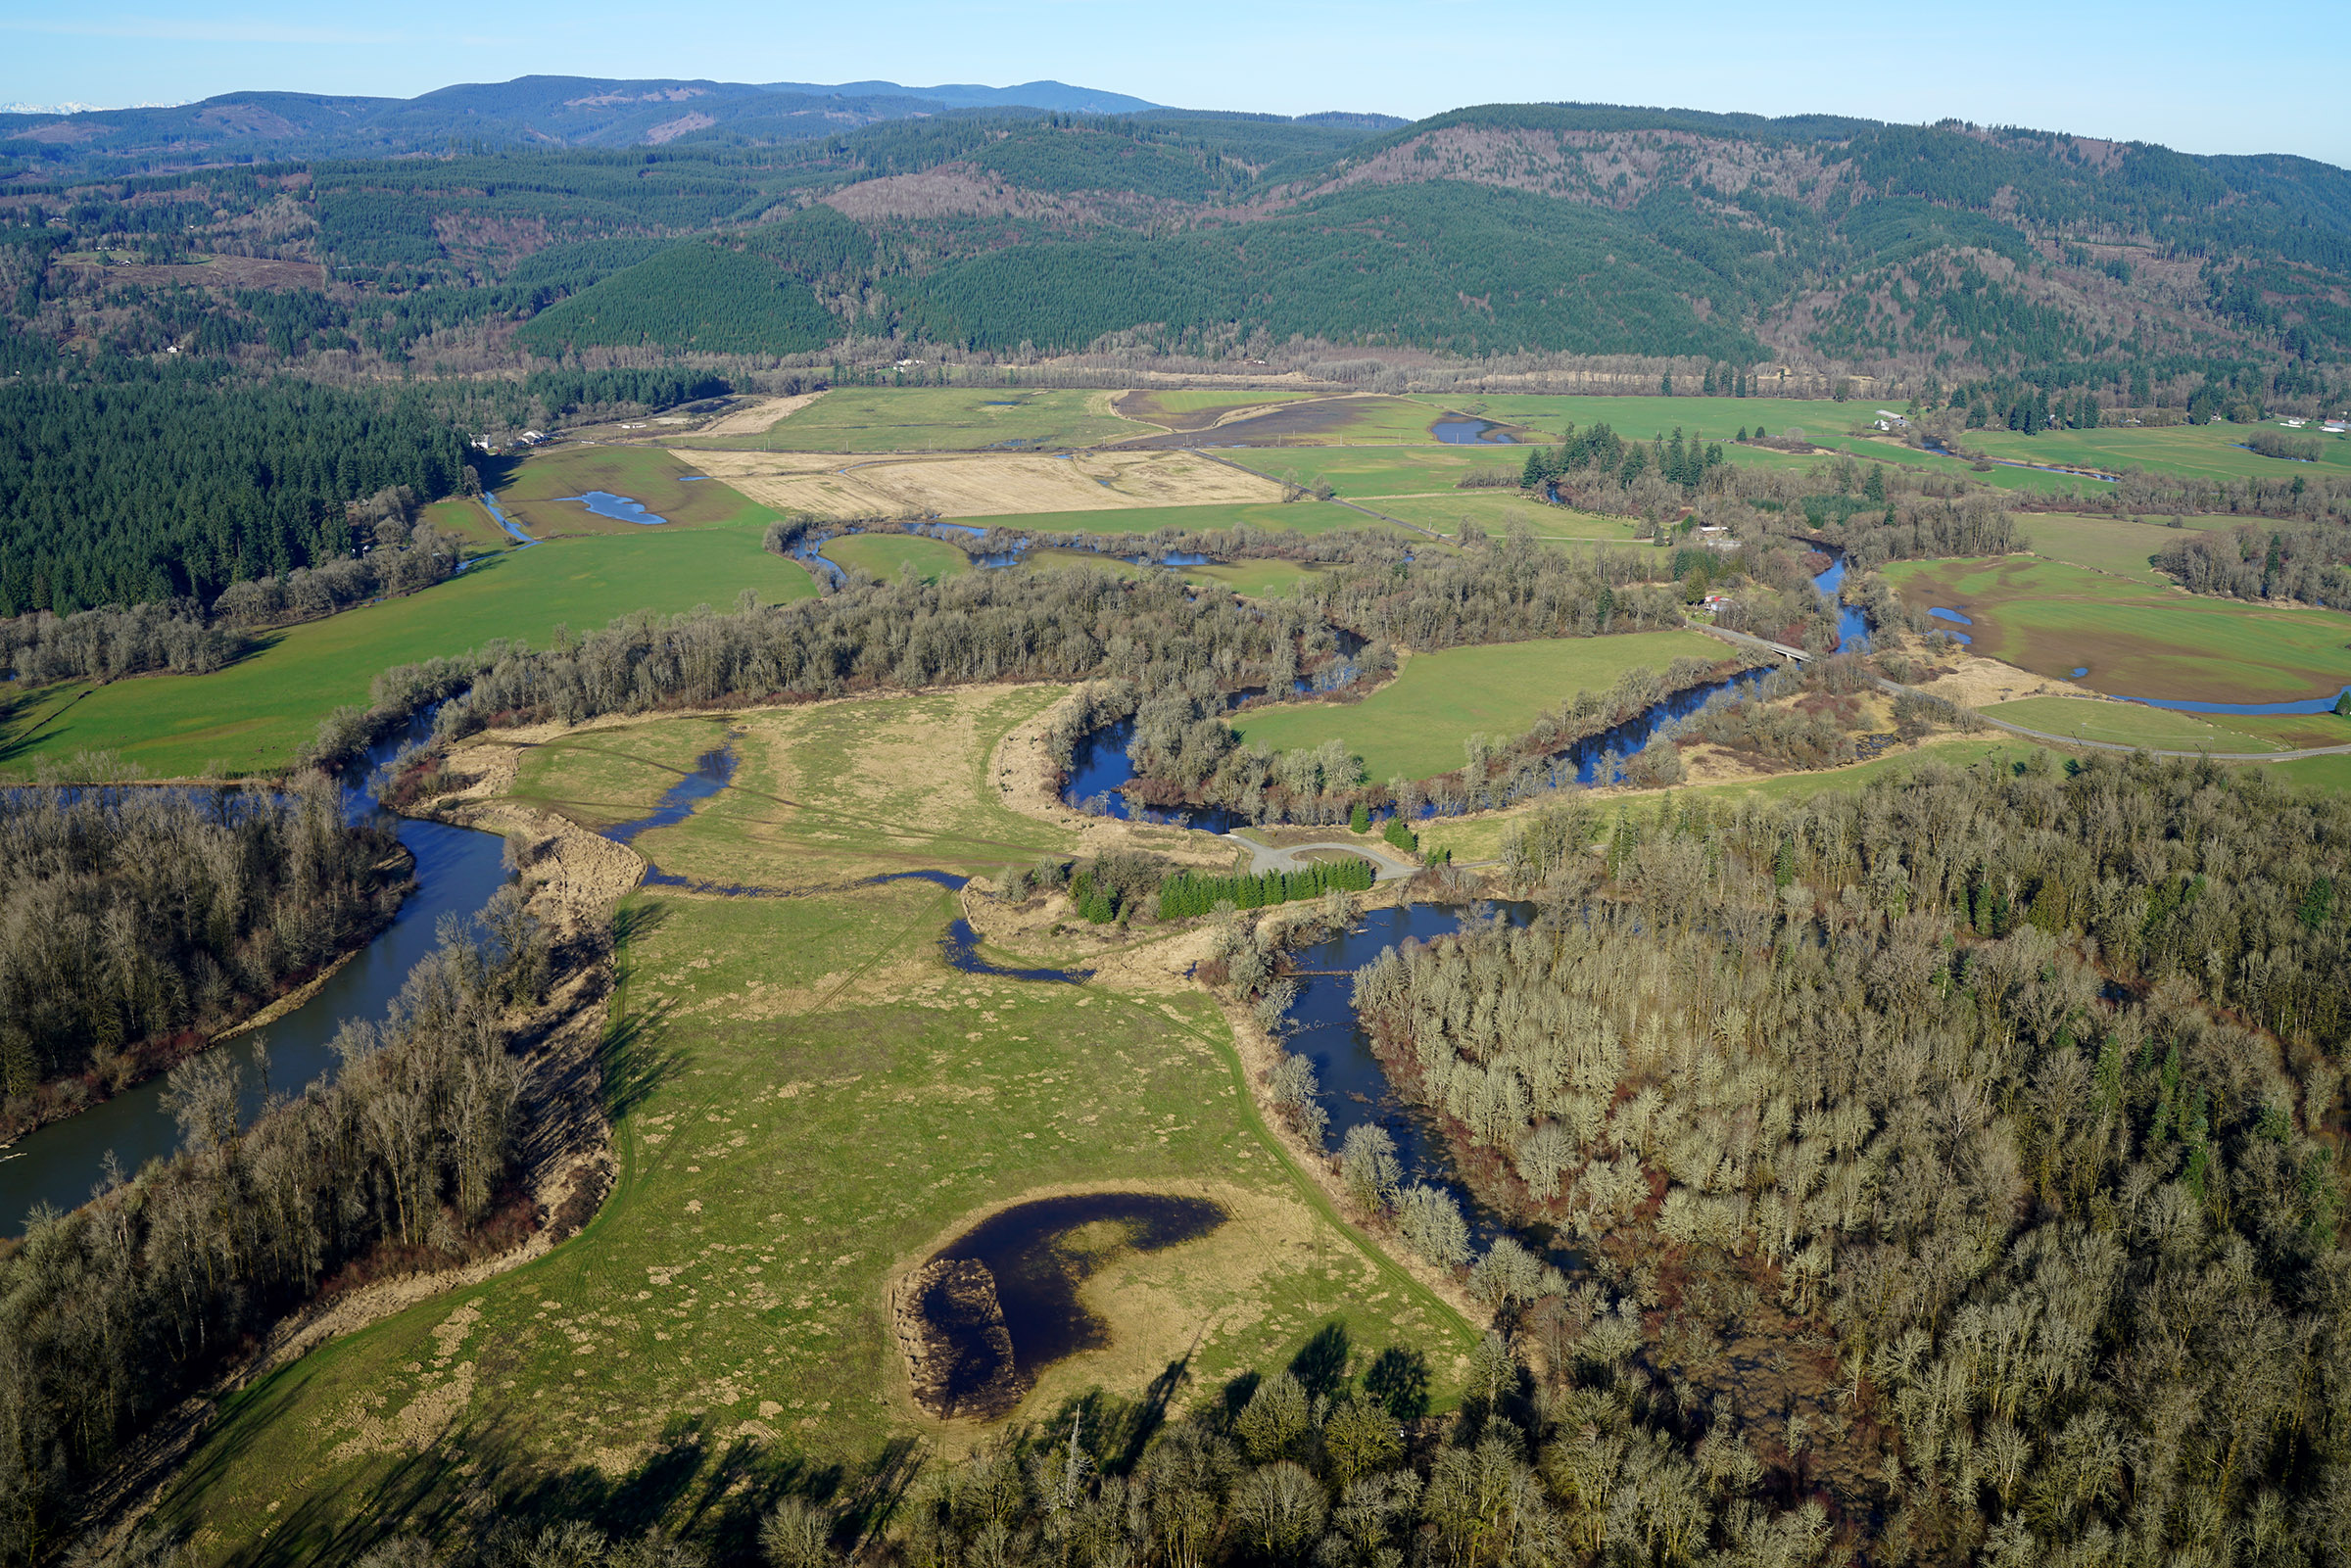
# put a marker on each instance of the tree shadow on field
(634, 1058)
(1321, 1361)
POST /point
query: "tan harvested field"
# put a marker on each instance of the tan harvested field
(755, 419)
(831, 485)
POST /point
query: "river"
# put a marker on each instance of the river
(457, 871)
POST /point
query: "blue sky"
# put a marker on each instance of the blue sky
(2201, 77)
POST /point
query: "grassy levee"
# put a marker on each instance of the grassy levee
(2134, 637)
(1415, 724)
(470, 522)
(1497, 511)
(256, 714)
(807, 1101)
(935, 419)
(537, 493)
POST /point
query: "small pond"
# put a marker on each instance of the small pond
(1098, 768)
(1463, 431)
(604, 503)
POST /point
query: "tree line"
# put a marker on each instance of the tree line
(1189, 892)
(134, 920)
(2310, 562)
(111, 1313)
(1997, 1109)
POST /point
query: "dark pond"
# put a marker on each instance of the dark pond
(1954, 616)
(1354, 1087)
(1041, 1252)
(456, 872)
(604, 503)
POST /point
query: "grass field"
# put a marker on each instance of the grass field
(469, 521)
(1258, 579)
(1496, 511)
(253, 714)
(2209, 451)
(535, 491)
(2136, 638)
(809, 1102)
(936, 419)
(2129, 724)
(1640, 418)
(2122, 545)
(884, 555)
(1415, 724)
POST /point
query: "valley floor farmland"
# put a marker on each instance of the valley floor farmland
(2134, 639)
(807, 1100)
(253, 714)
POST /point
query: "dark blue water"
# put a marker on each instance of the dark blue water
(1852, 623)
(1587, 758)
(1100, 767)
(1950, 615)
(1466, 432)
(1354, 1086)
(2305, 705)
(456, 872)
(604, 503)
(2081, 671)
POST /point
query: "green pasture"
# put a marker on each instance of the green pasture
(936, 419)
(1258, 578)
(1371, 471)
(536, 492)
(1497, 511)
(1299, 516)
(2206, 452)
(1640, 418)
(2136, 638)
(1415, 724)
(468, 520)
(253, 716)
(806, 1101)
(2332, 774)
(885, 555)
(2122, 545)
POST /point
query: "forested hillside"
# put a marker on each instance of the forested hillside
(2043, 270)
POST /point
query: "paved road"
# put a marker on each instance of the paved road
(1288, 857)
(1799, 655)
